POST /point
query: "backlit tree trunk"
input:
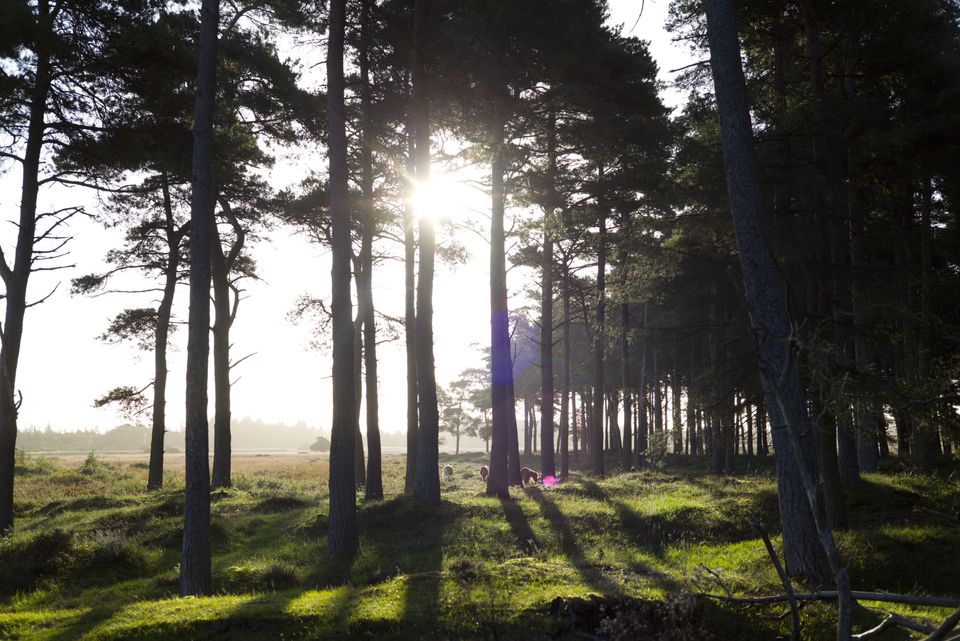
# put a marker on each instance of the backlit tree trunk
(195, 575)
(342, 537)
(426, 486)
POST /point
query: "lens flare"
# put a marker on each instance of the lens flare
(549, 480)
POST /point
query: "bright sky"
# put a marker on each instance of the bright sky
(64, 367)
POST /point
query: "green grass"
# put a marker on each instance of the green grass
(95, 557)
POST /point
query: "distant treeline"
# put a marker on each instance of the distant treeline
(247, 434)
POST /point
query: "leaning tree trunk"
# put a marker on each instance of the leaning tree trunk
(426, 486)
(373, 489)
(15, 280)
(195, 570)
(342, 537)
(801, 507)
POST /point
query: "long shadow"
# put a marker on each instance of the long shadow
(527, 541)
(403, 524)
(87, 622)
(591, 575)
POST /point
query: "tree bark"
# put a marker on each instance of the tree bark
(426, 486)
(598, 347)
(410, 321)
(547, 464)
(501, 365)
(565, 394)
(195, 573)
(15, 280)
(373, 489)
(342, 536)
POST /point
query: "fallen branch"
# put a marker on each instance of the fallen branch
(831, 595)
(891, 621)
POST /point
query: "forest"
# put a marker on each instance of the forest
(721, 393)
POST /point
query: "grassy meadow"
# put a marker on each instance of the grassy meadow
(94, 556)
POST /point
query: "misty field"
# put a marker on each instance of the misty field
(95, 557)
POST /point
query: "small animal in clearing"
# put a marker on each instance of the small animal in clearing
(447, 472)
(527, 475)
(484, 472)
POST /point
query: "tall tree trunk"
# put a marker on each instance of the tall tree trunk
(801, 508)
(221, 363)
(195, 573)
(675, 395)
(926, 442)
(565, 394)
(225, 313)
(373, 489)
(642, 392)
(830, 199)
(504, 433)
(15, 280)
(576, 432)
(342, 536)
(174, 236)
(426, 486)
(626, 458)
(547, 464)
(867, 407)
(599, 347)
(410, 321)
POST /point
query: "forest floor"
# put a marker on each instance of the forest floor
(94, 556)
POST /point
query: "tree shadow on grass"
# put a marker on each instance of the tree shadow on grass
(85, 623)
(526, 540)
(404, 536)
(591, 575)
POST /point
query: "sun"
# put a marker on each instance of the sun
(438, 199)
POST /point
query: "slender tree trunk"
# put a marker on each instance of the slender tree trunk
(547, 464)
(565, 395)
(866, 406)
(15, 280)
(599, 347)
(171, 269)
(373, 489)
(410, 323)
(626, 458)
(221, 363)
(801, 509)
(576, 432)
(342, 536)
(642, 387)
(195, 573)
(926, 442)
(426, 486)
(675, 396)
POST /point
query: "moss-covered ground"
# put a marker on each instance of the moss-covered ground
(94, 556)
